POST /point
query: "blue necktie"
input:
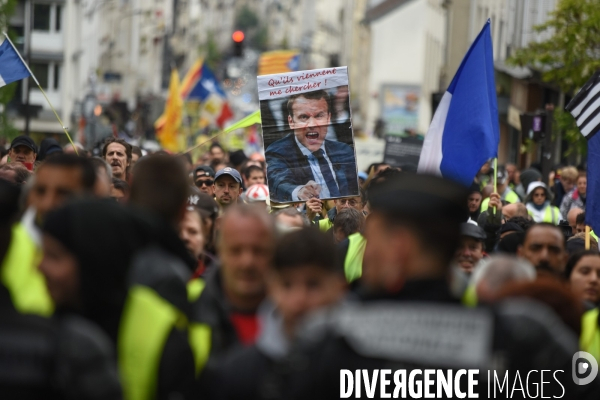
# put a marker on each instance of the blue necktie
(326, 172)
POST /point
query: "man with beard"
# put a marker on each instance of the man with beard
(304, 165)
(227, 187)
(117, 153)
(470, 250)
(544, 248)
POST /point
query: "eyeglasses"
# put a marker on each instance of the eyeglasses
(351, 202)
(208, 182)
(539, 195)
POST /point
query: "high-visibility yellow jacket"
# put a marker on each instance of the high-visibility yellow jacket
(146, 323)
(590, 333)
(354, 256)
(19, 273)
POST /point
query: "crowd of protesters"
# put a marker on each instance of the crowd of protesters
(157, 276)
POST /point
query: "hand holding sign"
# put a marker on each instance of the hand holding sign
(311, 190)
(314, 207)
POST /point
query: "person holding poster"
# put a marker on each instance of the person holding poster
(302, 163)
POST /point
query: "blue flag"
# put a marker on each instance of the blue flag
(464, 132)
(585, 108)
(12, 67)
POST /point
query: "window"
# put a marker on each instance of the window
(58, 15)
(40, 70)
(41, 17)
(56, 85)
(47, 17)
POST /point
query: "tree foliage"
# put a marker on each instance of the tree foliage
(211, 53)
(569, 57)
(572, 54)
(246, 19)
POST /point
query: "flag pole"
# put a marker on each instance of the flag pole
(495, 180)
(44, 93)
(587, 237)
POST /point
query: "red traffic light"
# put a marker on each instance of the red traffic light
(238, 36)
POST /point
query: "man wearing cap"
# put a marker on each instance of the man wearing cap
(471, 250)
(204, 178)
(23, 150)
(227, 187)
(505, 192)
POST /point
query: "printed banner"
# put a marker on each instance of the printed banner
(402, 151)
(307, 135)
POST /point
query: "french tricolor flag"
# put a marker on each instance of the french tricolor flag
(464, 132)
(12, 67)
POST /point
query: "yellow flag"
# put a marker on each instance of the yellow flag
(250, 120)
(168, 133)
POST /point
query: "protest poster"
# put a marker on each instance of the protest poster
(400, 108)
(307, 135)
(402, 151)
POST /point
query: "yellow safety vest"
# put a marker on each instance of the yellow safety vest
(199, 334)
(551, 215)
(325, 224)
(510, 197)
(590, 333)
(469, 297)
(20, 275)
(146, 323)
(354, 257)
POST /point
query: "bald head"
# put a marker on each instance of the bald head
(246, 250)
(260, 218)
(515, 210)
(486, 191)
(572, 218)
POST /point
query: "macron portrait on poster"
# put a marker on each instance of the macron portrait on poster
(307, 134)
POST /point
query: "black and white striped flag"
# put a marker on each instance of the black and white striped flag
(585, 106)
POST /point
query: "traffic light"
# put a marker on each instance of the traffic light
(238, 43)
(533, 126)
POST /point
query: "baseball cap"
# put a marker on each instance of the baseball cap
(473, 231)
(203, 170)
(24, 141)
(231, 172)
(205, 203)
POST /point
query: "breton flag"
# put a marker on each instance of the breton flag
(201, 84)
(585, 108)
(464, 132)
(12, 67)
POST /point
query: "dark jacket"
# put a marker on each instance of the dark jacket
(135, 251)
(213, 309)
(59, 358)
(289, 168)
(246, 373)
(420, 327)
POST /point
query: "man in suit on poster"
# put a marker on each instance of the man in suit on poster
(303, 164)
